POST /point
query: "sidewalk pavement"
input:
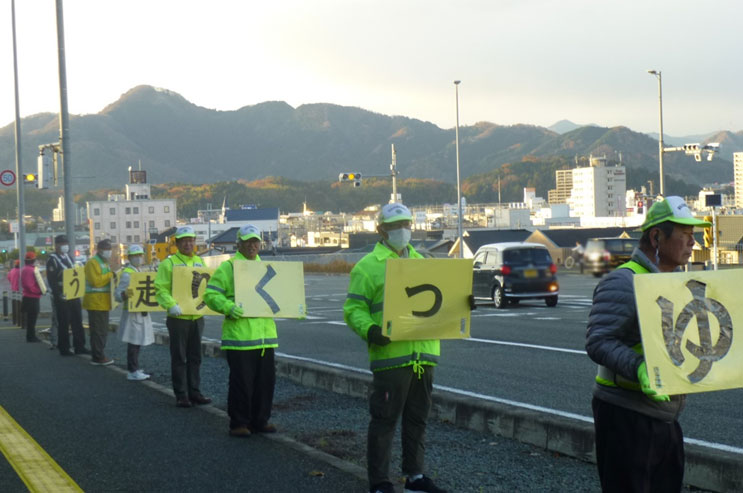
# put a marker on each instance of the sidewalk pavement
(109, 434)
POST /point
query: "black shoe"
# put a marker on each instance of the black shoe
(66, 353)
(422, 484)
(82, 351)
(35, 339)
(199, 399)
(382, 488)
(183, 402)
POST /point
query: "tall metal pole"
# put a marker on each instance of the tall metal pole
(393, 172)
(19, 178)
(658, 76)
(459, 188)
(64, 130)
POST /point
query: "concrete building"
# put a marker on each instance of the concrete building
(131, 217)
(563, 186)
(738, 178)
(599, 190)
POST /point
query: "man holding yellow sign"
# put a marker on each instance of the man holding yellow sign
(639, 442)
(184, 330)
(403, 369)
(248, 344)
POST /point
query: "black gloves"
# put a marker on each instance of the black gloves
(374, 336)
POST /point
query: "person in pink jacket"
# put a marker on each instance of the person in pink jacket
(33, 288)
(14, 276)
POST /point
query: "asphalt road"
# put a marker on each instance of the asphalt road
(528, 354)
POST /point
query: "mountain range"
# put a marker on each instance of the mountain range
(177, 141)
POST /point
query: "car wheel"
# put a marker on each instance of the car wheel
(499, 298)
(551, 300)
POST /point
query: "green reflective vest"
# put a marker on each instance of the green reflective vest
(244, 333)
(164, 280)
(363, 308)
(607, 377)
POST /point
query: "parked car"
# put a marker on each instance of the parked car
(509, 272)
(605, 254)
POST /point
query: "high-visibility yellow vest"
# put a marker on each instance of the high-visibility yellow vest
(607, 377)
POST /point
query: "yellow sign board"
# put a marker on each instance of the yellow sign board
(270, 289)
(188, 286)
(141, 293)
(73, 282)
(112, 289)
(688, 322)
(427, 299)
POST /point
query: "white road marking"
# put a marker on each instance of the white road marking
(530, 346)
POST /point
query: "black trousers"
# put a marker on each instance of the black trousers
(637, 453)
(69, 315)
(185, 355)
(398, 392)
(30, 312)
(132, 357)
(251, 387)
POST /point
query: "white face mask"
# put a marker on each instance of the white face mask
(64, 248)
(399, 238)
(136, 261)
(105, 254)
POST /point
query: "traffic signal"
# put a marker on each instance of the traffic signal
(354, 177)
(31, 179)
(708, 236)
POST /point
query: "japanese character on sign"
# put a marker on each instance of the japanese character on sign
(687, 322)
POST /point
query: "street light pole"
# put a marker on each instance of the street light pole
(459, 188)
(657, 75)
(64, 130)
(19, 178)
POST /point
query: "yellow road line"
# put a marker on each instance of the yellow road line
(38, 471)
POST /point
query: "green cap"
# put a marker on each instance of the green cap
(134, 250)
(185, 232)
(247, 232)
(391, 213)
(672, 209)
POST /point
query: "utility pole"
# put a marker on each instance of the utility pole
(393, 173)
(20, 182)
(64, 130)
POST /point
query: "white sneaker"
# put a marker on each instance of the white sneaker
(141, 373)
(135, 376)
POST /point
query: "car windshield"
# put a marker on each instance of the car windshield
(518, 256)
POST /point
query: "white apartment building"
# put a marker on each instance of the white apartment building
(738, 178)
(131, 217)
(599, 190)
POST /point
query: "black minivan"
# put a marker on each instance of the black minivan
(509, 272)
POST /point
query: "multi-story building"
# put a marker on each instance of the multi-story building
(131, 217)
(738, 178)
(563, 185)
(598, 190)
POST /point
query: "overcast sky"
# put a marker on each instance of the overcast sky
(520, 61)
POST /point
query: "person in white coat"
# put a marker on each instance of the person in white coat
(135, 327)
